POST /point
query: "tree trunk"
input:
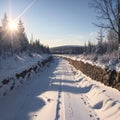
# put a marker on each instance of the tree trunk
(119, 29)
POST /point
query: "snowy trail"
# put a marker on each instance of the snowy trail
(71, 104)
(57, 93)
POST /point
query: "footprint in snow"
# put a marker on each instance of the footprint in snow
(85, 103)
(49, 100)
(91, 115)
(35, 115)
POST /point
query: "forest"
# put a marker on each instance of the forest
(13, 40)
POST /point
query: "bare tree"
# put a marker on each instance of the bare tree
(119, 26)
(112, 41)
(109, 14)
(100, 35)
(100, 38)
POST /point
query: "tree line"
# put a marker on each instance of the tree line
(105, 45)
(16, 41)
(67, 50)
(108, 14)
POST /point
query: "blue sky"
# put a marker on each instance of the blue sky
(54, 22)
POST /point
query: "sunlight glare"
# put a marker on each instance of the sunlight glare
(12, 26)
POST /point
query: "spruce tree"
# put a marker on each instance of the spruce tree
(22, 37)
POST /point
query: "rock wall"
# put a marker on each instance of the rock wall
(109, 78)
(10, 83)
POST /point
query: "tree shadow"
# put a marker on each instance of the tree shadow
(25, 100)
(30, 98)
(69, 88)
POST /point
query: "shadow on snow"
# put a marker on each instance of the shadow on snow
(30, 102)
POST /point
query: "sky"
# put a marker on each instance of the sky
(54, 22)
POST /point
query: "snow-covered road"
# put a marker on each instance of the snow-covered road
(59, 93)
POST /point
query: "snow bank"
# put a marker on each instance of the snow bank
(26, 66)
(111, 64)
(109, 77)
(17, 63)
(106, 105)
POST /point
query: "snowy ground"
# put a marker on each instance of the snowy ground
(18, 63)
(105, 61)
(61, 93)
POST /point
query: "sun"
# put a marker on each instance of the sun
(12, 26)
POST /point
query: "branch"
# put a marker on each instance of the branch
(106, 9)
(105, 27)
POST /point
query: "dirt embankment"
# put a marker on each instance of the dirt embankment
(109, 78)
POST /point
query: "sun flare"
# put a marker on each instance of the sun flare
(12, 26)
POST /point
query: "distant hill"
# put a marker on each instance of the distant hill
(70, 49)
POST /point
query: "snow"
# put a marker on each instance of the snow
(102, 61)
(61, 92)
(18, 63)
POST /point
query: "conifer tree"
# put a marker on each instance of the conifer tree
(22, 37)
(5, 21)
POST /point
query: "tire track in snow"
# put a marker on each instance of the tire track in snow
(71, 112)
(68, 95)
(70, 108)
(58, 103)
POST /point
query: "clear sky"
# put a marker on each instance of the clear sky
(54, 22)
